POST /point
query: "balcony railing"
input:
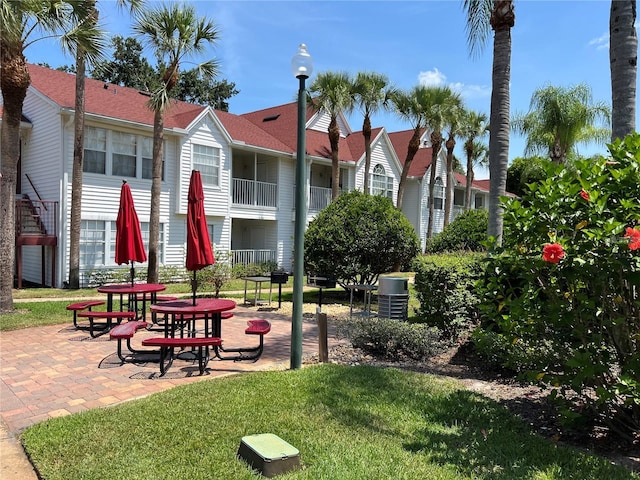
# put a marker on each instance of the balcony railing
(319, 198)
(253, 192)
(246, 257)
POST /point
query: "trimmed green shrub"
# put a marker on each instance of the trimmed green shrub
(358, 237)
(444, 286)
(392, 339)
(568, 278)
(467, 232)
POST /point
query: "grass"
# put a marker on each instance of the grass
(348, 423)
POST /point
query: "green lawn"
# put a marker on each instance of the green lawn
(348, 423)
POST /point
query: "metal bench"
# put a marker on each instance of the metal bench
(126, 331)
(167, 345)
(107, 316)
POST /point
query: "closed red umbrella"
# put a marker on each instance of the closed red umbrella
(129, 246)
(199, 251)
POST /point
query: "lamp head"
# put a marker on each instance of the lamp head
(302, 63)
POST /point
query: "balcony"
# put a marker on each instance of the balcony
(247, 257)
(319, 198)
(254, 193)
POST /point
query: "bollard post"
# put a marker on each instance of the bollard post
(323, 348)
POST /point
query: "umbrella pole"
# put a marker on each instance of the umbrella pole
(194, 286)
(133, 273)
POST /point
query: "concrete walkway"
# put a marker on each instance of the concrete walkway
(52, 371)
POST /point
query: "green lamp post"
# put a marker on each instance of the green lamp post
(302, 66)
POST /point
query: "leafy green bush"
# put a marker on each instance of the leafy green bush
(467, 232)
(569, 276)
(392, 339)
(524, 171)
(444, 287)
(358, 237)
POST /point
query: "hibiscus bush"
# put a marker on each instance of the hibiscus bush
(567, 283)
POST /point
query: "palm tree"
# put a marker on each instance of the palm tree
(408, 105)
(21, 23)
(623, 56)
(559, 118)
(371, 93)
(78, 149)
(174, 32)
(438, 104)
(482, 16)
(333, 95)
(454, 117)
(474, 127)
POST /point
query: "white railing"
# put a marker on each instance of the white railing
(245, 257)
(252, 192)
(319, 198)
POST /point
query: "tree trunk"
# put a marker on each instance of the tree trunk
(436, 144)
(467, 189)
(76, 175)
(366, 132)
(448, 202)
(502, 19)
(623, 59)
(14, 82)
(334, 140)
(412, 148)
(156, 192)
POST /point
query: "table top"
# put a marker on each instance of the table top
(257, 279)
(361, 286)
(135, 288)
(203, 305)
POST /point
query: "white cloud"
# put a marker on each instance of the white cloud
(601, 42)
(435, 78)
(432, 78)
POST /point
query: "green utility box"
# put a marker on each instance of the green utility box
(268, 454)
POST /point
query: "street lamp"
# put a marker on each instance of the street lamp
(301, 66)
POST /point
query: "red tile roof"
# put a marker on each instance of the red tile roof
(273, 128)
(112, 102)
(422, 159)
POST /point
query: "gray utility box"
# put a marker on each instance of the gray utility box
(268, 454)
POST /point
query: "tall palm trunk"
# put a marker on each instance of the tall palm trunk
(156, 191)
(623, 58)
(334, 140)
(366, 133)
(436, 145)
(502, 19)
(412, 149)
(468, 148)
(448, 202)
(76, 175)
(78, 158)
(14, 82)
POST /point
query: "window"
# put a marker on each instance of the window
(121, 154)
(95, 150)
(381, 184)
(207, 160)
(123, 157)
(479, 201)
(458, 198)
(146, 147)
(438, 194)
(144, 228)
(92, 243)
(98, 242)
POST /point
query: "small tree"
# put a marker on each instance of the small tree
(358, 237)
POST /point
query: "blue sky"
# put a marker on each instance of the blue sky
(562, 43)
